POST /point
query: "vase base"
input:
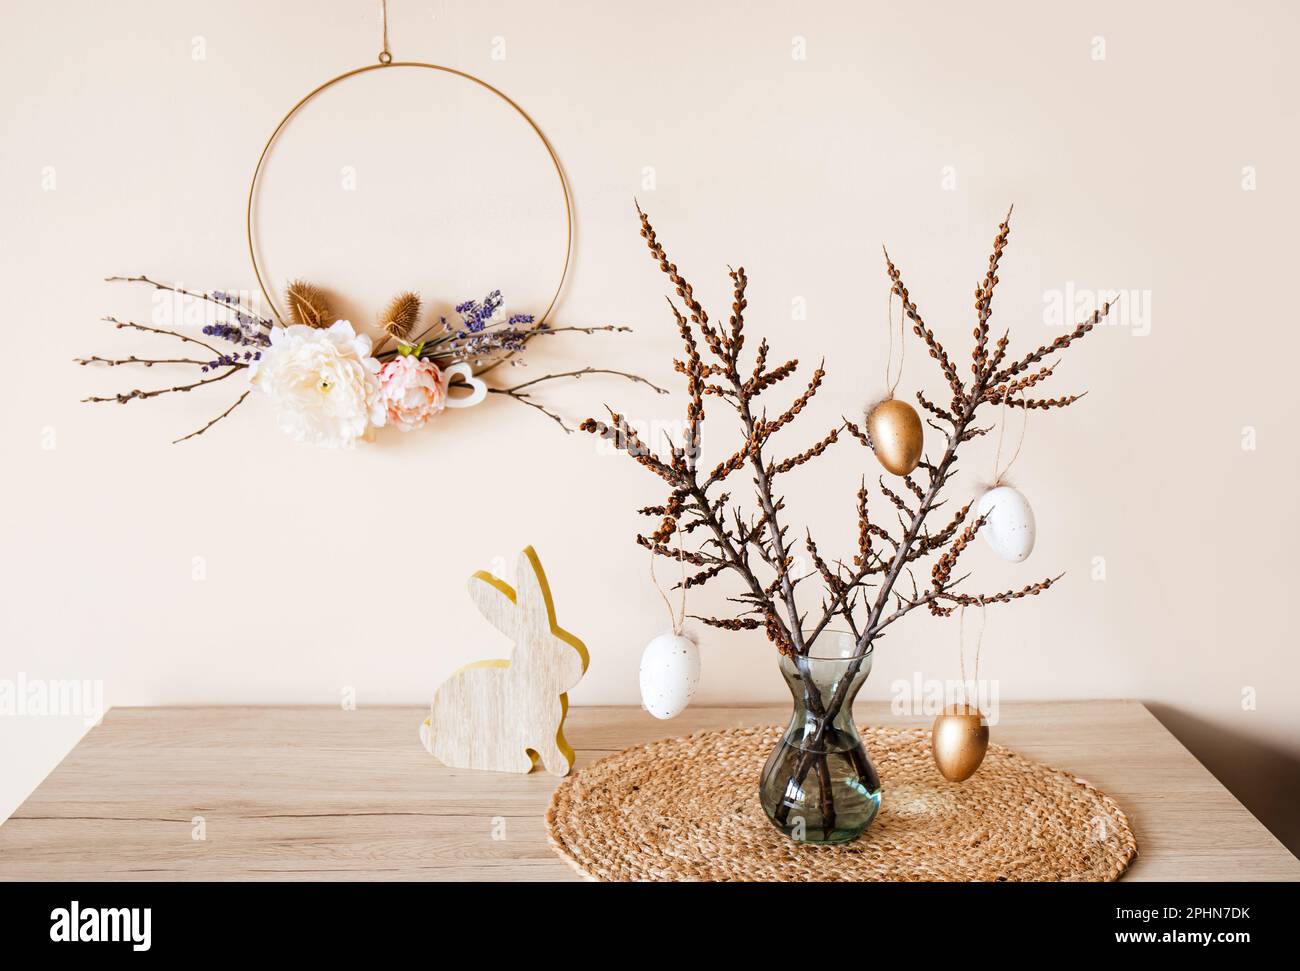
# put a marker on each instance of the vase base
(818, 837)
(834, 802)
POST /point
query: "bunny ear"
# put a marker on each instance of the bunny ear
(531, 585)
(495, 600)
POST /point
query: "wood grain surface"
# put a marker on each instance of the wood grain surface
(321, 794)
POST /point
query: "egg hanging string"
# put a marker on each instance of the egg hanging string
(961, 649)
(902, 344)
(676, 622)
(1002, 427)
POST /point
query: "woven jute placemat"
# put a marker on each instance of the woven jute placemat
(688, 809)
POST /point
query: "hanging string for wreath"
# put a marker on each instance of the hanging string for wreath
(959, 738)
(328, 382)
(894, 426)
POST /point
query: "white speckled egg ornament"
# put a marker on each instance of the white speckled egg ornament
(1009, 529)
(1009, 522)
(670, 664)
(670, 673)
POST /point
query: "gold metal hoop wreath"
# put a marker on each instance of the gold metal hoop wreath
(387, 63)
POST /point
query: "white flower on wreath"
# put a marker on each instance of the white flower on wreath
(322, 383)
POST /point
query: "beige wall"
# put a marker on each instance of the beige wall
(908, 125)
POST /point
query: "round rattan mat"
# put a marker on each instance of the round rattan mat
(687, 809)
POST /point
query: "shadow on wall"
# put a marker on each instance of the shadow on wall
(1264, 778)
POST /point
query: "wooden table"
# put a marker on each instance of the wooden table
(326, 794)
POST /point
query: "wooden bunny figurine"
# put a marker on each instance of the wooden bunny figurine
(504, 715)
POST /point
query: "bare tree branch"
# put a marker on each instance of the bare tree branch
(238, 401)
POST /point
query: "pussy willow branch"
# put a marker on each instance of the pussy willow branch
(762, 473)
(195, 434)
(145, 361)
(965, 404)
(132, 325)
(689, 505)
(634, 378)
(733, 548)
(126, 396)
(726, 346)
(517, 391)
(569, 329)
(533, 332)
(197, 295)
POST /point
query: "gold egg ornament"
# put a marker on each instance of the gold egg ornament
(959, 740)
(896, 435)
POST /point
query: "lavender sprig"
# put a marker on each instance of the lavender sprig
(242, 335)
(245, 318)
(480, 334)
(231, 360)
(475, 315)
(484, 333)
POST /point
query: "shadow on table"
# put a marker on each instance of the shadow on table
(1265, 778)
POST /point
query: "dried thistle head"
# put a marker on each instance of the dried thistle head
(307, 305)
(401, 316)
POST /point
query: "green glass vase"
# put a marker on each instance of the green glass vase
(819, 785)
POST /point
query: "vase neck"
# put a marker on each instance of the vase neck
(823, 690)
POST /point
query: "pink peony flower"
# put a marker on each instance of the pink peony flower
(411, 390)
